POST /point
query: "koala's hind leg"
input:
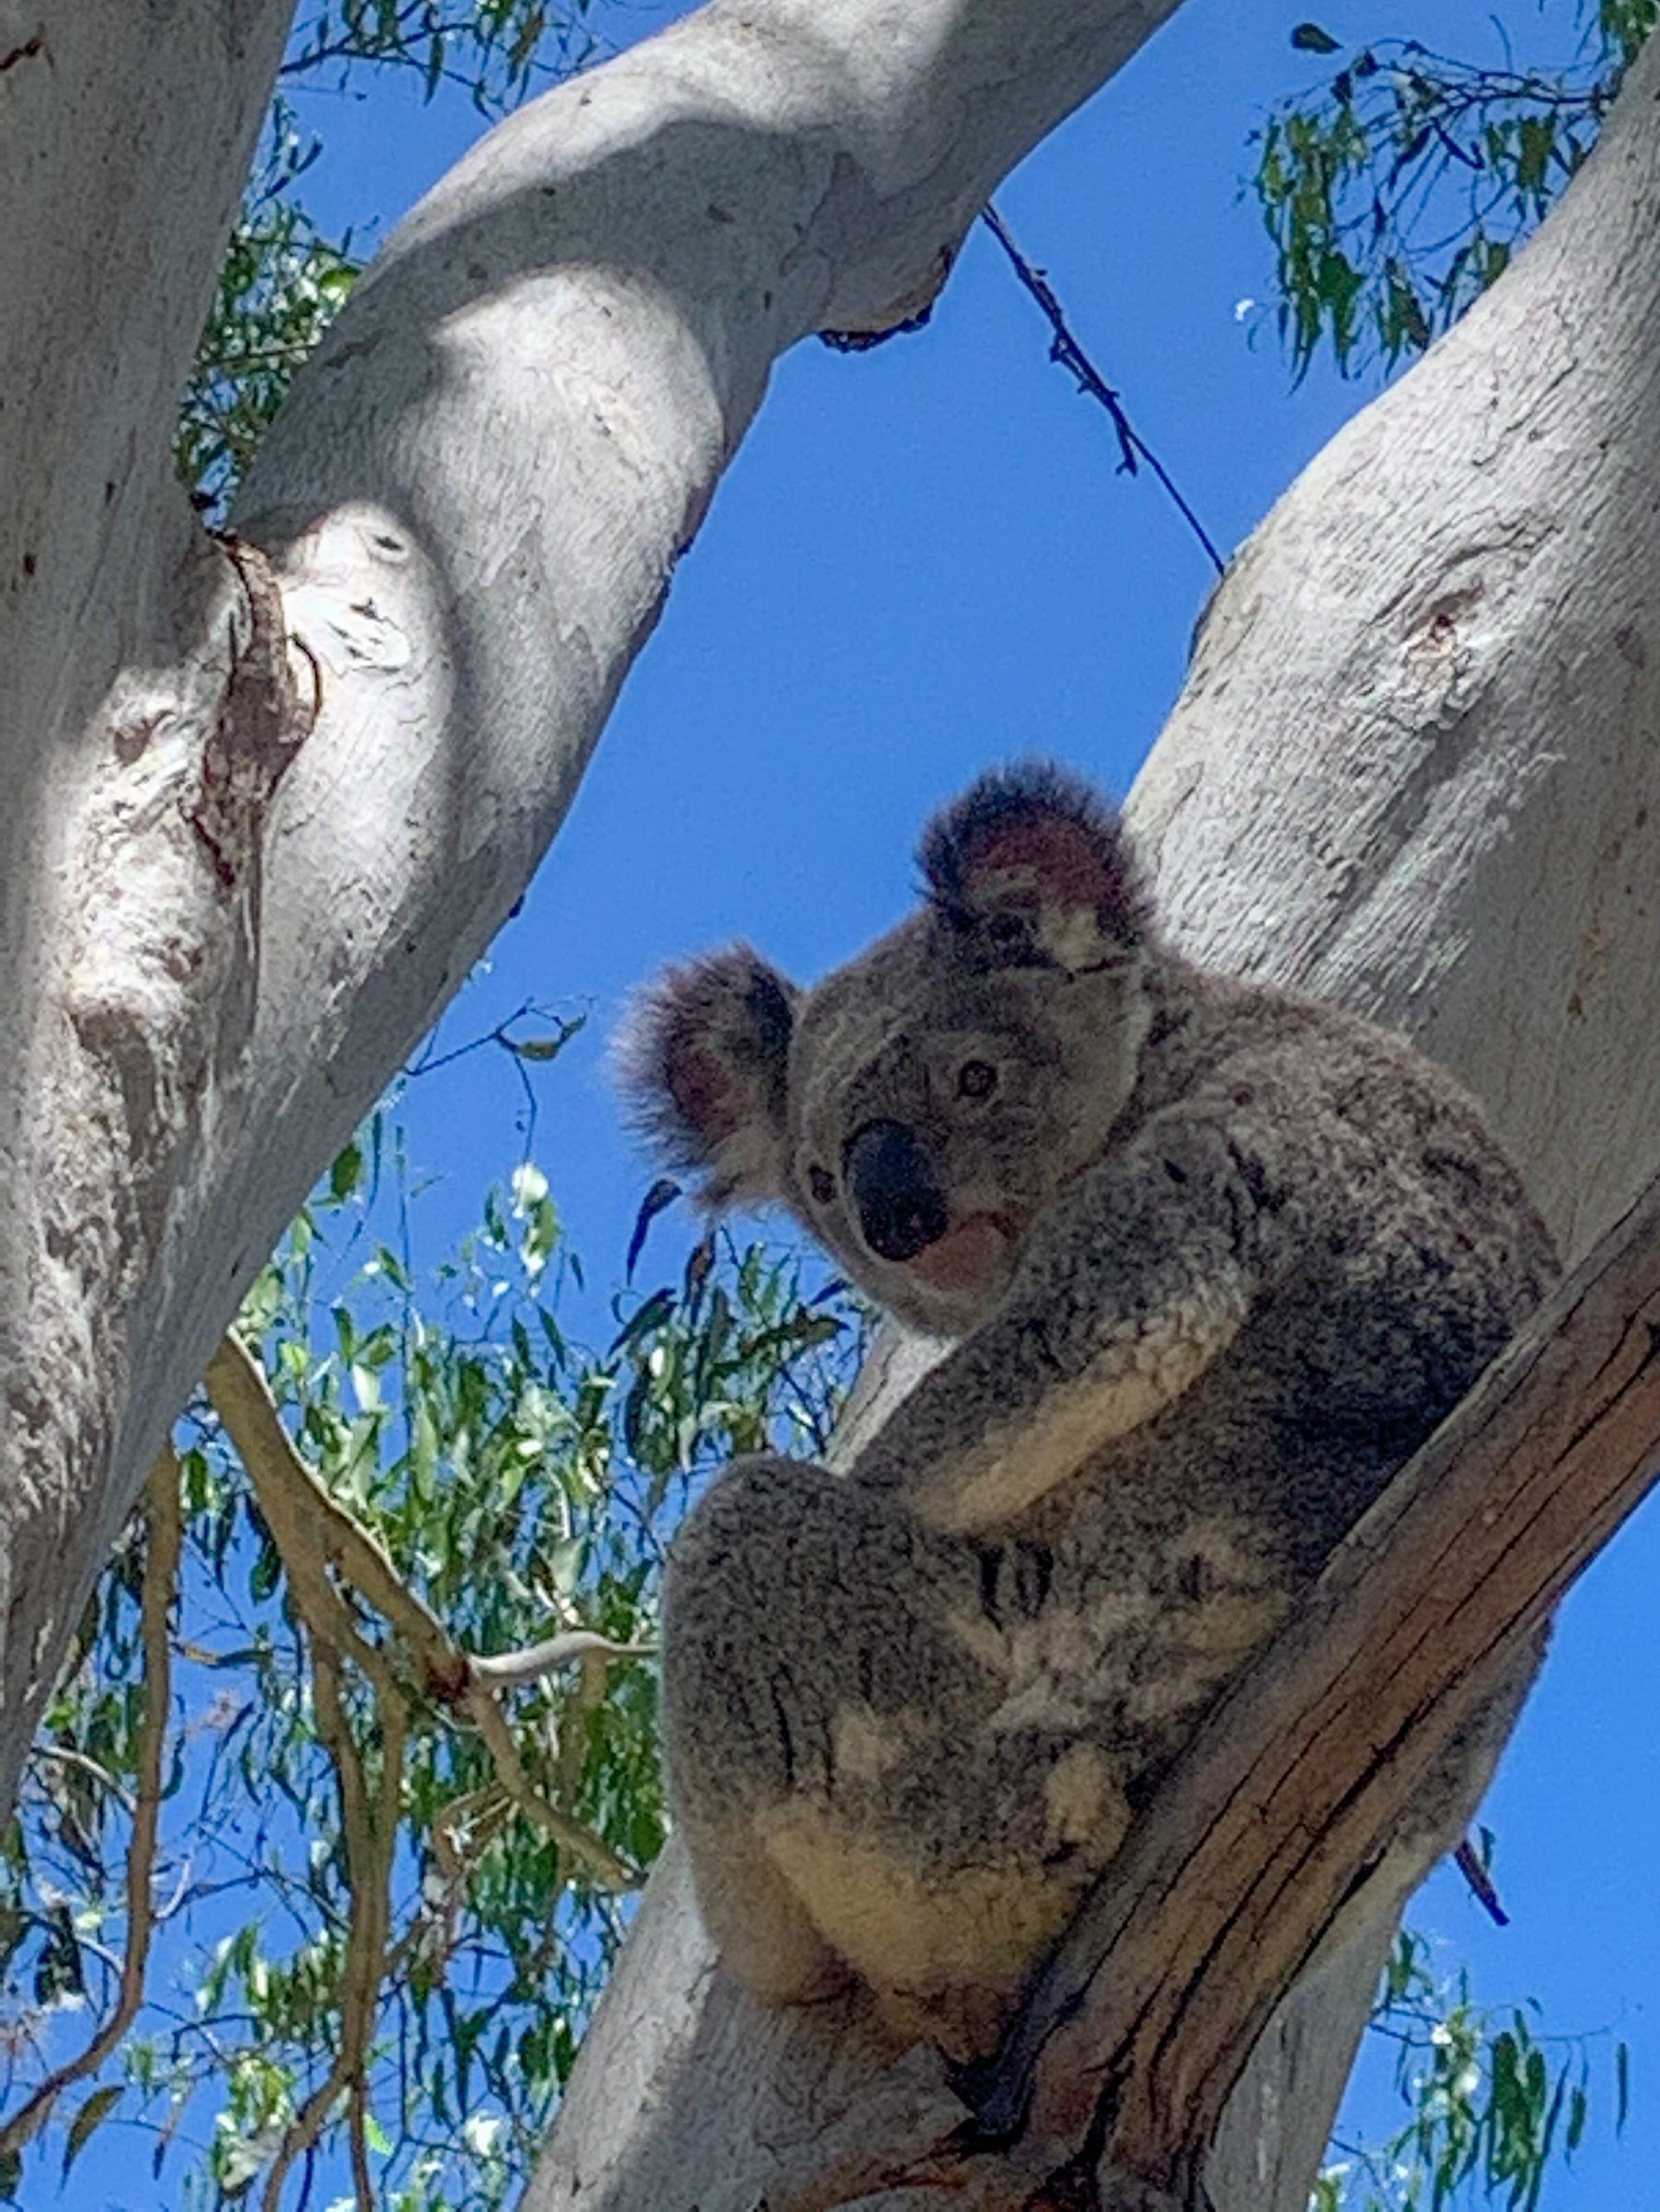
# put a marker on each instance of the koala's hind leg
(755, 1920)
(809, 1668)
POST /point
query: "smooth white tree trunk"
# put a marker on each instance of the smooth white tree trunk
(126, 130)
(1416, 768)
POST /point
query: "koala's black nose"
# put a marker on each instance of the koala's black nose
(891, 1180)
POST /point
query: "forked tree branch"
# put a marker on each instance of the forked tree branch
(312, 1531)
(1125, 2054)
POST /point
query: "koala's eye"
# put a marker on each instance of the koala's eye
(822, 1184)
(975, 1079)
(1007, 928)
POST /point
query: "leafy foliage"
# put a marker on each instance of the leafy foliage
(1490, 2100)
(280, 288)
(1399, 190)
(520, 1484)
(492, 48)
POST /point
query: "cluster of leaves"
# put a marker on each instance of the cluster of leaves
(281, 286)
(1490, 2100)
(283, 280)
(521, 1485)
(1397, 191)
(494, 49)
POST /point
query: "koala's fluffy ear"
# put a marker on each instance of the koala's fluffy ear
(1036, 864)
(703, 1061)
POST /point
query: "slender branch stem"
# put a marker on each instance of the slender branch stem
(1132, 446)
(311, 1528)
(584, 1644)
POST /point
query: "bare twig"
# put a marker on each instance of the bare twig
(166, 1530)
(67, 1755)
(585, 1645)
(1065, 348)
(520, 1050)
(371, 1832)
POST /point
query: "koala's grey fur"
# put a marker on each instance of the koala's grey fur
(1219, 1259)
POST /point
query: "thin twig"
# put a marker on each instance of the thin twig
(66, 1755)
(1132, 446)
(166, 1531)
(584, 1644)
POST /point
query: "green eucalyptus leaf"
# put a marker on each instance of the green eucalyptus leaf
(89, 2118)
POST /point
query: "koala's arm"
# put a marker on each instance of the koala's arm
(1135, 1279)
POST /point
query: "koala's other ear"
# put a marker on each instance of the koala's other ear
(703, 1062)
(1037, 866)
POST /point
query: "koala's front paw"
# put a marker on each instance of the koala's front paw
(1129, 1379)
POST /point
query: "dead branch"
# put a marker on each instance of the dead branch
(586, 1645)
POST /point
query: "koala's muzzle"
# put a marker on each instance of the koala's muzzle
(890, 1178)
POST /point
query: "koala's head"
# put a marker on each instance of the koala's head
(916, 1108)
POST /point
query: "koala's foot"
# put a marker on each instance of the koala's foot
(965, 2024)
(755, 1920)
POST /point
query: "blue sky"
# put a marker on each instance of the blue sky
(923, 560)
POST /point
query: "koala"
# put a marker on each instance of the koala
(1215, 1259)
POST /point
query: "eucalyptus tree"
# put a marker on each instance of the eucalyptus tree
(271, 789)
